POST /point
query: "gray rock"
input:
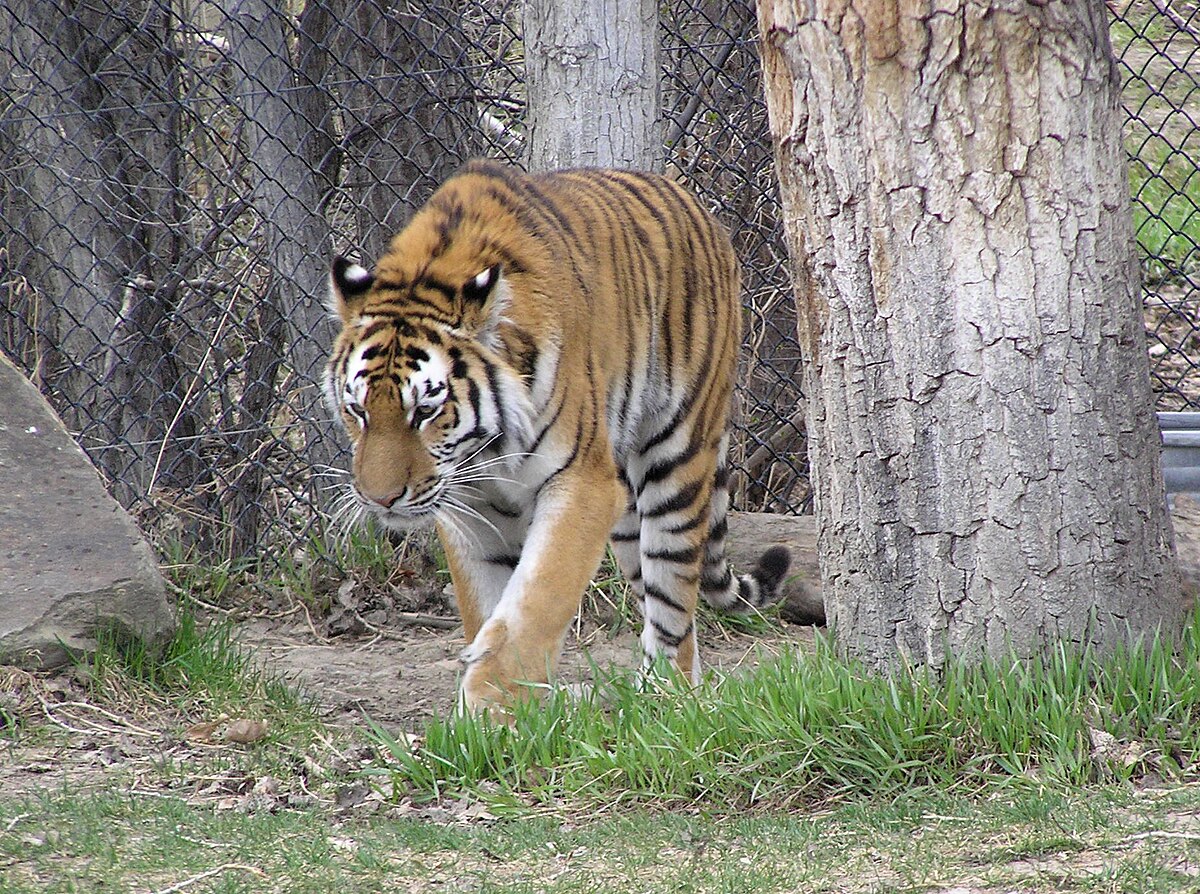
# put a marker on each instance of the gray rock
(72, 563)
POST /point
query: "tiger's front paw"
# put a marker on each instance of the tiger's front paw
(500, 671)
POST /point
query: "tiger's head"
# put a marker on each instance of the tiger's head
(420, 383)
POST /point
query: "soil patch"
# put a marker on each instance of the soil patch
(403, 675)
(397, 674)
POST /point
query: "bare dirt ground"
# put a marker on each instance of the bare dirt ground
(403, 675)
(397, 674)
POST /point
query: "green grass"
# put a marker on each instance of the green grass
(204, 667)
(805, 775)
(202, 674)
(807, 728)
(1037, 840)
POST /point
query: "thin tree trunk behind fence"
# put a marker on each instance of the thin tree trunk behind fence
(410, 112)
(101, 229)
(294, 239)
(67, 202)
(593, 73)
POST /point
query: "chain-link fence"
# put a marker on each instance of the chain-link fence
(1158, 45)
(176, 174)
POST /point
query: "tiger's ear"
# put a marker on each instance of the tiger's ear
(348, 284)
(484, 297)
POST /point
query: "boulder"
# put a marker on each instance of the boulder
(73, 565)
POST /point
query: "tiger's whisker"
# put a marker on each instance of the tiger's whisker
(445, 515)
(457, 505)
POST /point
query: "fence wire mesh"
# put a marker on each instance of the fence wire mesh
(1158, 46)
(176, 174)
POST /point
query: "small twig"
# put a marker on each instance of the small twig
(191, 596)
(421, 619)
(200, 842)
(1161, 833)
(283, 613)
(59, 723)
(188, 882)
(311, 626)
(123, 724)
(150, 793)
(1164, 7)
(409, 619)
(16, 819)
(304, 787)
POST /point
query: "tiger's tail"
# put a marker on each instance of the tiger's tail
(719, 586)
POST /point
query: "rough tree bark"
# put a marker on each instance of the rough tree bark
(289, 317)
(93, 91)
(983, 446)
(592, 77)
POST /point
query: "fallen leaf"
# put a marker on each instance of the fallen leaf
(266, 785)
(352, 795)
(246, 732)
(1104, 744)
(345, 593)
(476, 812)
(1133, 754)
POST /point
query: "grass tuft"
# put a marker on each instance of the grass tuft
(203, 672)
(813, 727)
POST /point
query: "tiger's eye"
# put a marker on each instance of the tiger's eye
(421, 413)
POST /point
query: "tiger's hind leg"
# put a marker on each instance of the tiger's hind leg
(657, 639)
(624, 540)
(670, 544)
(673, 513)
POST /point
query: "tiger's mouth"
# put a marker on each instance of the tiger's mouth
(404, 518)
(402, 515)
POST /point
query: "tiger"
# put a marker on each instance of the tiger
(539, 366)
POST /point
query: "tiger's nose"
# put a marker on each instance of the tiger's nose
(388, 500)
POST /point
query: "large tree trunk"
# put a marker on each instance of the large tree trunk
(592, 76)
(983, 446)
